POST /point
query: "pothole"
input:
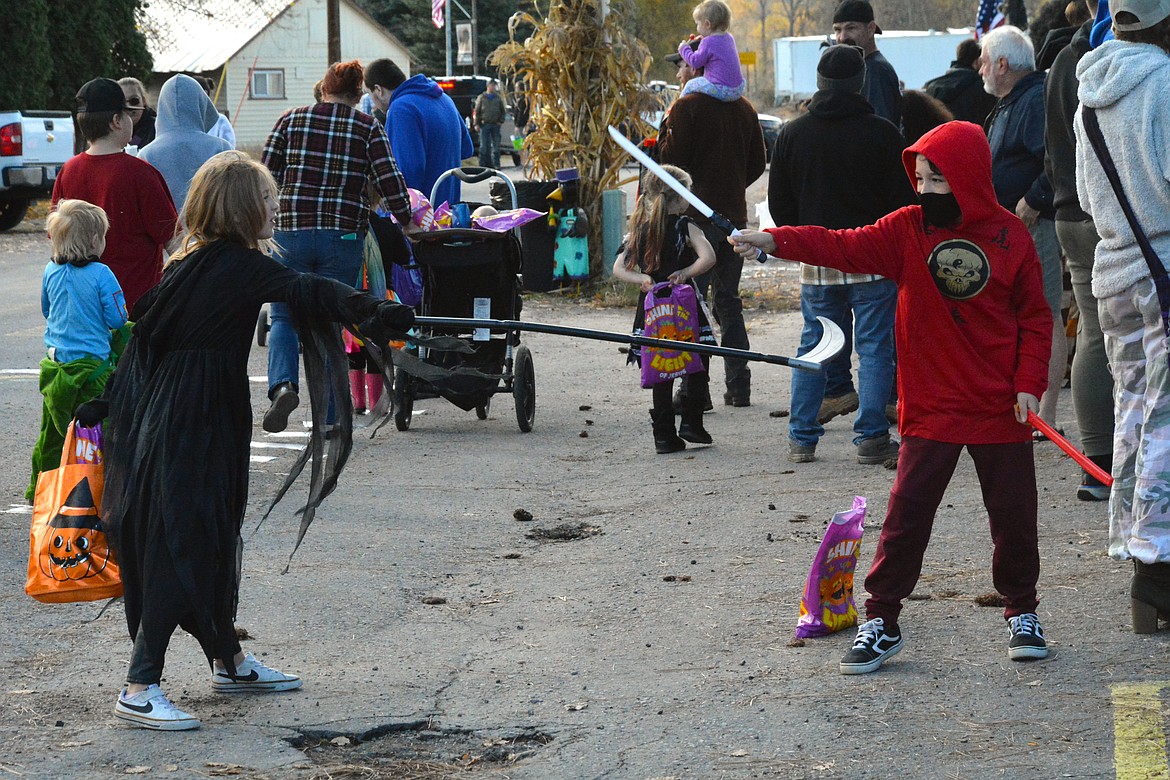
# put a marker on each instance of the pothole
(414, 750)
(566, 532)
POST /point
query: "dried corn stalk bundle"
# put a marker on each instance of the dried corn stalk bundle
(583, 73)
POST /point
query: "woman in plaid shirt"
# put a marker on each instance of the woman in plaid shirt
(322, 156)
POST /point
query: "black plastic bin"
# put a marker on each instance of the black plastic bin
(536, 239)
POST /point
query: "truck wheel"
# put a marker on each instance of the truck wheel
(12, 213)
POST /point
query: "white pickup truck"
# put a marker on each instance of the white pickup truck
(33, 147)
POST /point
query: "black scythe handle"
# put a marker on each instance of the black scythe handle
(619, 338)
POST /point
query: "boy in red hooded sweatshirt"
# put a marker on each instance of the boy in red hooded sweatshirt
(973, 334)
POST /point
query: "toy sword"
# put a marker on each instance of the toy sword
(717, 219)
(1055, 437)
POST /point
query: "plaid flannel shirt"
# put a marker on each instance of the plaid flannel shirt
(822, 277)
(322, 156)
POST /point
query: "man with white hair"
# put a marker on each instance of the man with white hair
(1015, 130)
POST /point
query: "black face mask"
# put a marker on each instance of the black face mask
(940, 210)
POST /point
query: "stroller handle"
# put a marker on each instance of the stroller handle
(473, 175)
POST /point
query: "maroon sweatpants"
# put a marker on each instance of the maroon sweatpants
(1007, 478)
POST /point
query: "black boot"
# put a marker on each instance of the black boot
(691, 429)
(665, 438)
(1149, 595)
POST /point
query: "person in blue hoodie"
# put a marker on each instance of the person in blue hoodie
(427, 134)
(181, 143)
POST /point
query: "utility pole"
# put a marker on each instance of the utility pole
(333, 23)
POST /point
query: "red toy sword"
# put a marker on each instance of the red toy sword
(1092, 468)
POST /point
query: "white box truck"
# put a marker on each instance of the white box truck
(917, 56)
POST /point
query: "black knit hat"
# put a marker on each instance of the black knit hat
(855, 11)
(842, 68)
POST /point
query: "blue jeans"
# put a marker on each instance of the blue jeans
(489, 146)
(872, 305)
(324, 252)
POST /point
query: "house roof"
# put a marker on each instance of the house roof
(201, 36)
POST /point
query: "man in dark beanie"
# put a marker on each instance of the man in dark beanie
(853, 24)
(840, 166)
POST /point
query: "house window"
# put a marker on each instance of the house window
(268, 84)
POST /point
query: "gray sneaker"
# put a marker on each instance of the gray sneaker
(801, 453)
(879, 449)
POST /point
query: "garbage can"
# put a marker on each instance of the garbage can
(536, 239)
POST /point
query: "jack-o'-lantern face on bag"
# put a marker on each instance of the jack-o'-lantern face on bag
(77, 546)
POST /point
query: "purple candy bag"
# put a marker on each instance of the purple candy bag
(827, 604)
(88, 444)
(506, 220)
(672, 312)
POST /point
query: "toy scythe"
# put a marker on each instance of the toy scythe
(832, 339)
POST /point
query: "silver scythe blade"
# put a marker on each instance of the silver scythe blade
(832, 340)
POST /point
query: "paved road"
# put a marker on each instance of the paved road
(427, 624)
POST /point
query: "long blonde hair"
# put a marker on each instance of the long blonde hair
(226, 201)
(651, 219)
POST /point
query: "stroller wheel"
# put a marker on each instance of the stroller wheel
(524, 389)
(262, 328)
(482, 411)
(403, 399)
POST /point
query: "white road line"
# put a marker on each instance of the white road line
(276, 446)
(19, 509)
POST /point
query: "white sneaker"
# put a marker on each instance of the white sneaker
(251, 675)
(151, 709)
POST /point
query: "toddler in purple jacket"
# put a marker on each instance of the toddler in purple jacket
(716, 54)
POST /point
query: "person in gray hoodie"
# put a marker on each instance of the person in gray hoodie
(181, 143)
(1125, 82)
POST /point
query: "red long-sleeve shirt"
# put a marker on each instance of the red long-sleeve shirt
(973, 327)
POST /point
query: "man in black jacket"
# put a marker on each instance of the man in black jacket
(1015, 131)
(1092, 385)
(720, 144)
(840, 166)
(960, 88)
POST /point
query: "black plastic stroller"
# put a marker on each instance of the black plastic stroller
(471, 273)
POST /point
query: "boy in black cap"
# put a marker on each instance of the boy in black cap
(133, 194)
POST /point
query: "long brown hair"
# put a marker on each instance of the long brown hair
(650, 220)
(226, 201)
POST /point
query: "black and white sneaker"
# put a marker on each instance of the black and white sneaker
(1027, 638)
(873, 645)
(251, 675)
(151, 709)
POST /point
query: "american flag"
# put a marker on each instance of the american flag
(990, 16)
(437, 12)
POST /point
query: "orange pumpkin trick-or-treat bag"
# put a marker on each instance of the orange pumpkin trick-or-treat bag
(69, 554)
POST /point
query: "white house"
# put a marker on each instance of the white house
(264, 55)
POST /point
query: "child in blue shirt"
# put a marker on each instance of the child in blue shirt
(82, 303)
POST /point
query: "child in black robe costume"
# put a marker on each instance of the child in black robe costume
(180, 426)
